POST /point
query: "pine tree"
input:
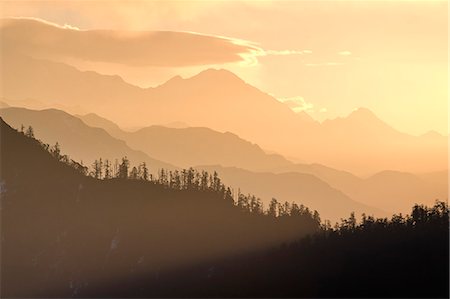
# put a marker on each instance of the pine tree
(295, 210)
(176, 180)
(56, 151)
(190, 178)
(242, 202)
(123, 168)
(259, 207)
(273, 208)
(134, 174)
(216, 182)
(228, 194)
(107, 169)
(204, 180)
(144, 174)
(116, 169)
(97, 169)
(30, 132)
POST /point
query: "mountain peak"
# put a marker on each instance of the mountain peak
(176, 78)
(361, 120)
(432, 134)
(207, 76)
(362, 112)
(217, 74)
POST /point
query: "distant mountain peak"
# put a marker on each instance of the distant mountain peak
(432, 134)
(217, 74)
(206, 76)
(362, 112)
(176, 78)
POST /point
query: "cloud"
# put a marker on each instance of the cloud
(43, 39)
(287, 52)
(345, 53)
(133, 48)
(324, 64)
(297, 103)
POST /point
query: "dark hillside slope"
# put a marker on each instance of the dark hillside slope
(63, 232)
(404, 257)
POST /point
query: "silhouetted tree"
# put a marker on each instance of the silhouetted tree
(176, 180)
(134, 175)
(116, 169)
(316, 216)
(123, 168)
(273, 207)
(163, 177)
(204, 180)
(56, 151)
(243, 202)
(284, 209)
(97, 169)
(144, 172)
(190, 178)
(30, 132)
(108, 174)
(228, 194)
(79, 167)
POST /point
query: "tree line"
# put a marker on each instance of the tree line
(185, 179)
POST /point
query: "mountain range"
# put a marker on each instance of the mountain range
(240, 163)
(388, 190)
(220, 100)
(186, 147)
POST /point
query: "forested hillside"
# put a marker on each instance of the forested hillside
(401, 257)
(64, 232)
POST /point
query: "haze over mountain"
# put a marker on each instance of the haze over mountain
(154, 149)
(78, 140)
(370, 140)
(390, 191)
(180, 146)
(296, 187)
(64, 232)
(93, 120)
(221, 101)
(192, 146)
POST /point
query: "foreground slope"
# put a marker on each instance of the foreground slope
(63, 232)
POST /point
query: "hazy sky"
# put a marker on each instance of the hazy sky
(327, 57)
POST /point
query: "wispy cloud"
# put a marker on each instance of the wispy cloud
(297, 103)
(325, 64)
(287, 52)
(19, 19)
(41, 38)
(345, 53)
(132, 48)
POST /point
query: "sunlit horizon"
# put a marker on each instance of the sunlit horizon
(396, 67)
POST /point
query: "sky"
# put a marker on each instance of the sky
(324, 57)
